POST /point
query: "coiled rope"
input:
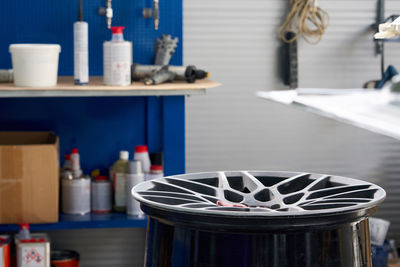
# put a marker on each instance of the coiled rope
(305, 19)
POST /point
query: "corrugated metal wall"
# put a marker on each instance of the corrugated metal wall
(232, 129)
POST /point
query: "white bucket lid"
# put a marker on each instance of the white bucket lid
(35, 47)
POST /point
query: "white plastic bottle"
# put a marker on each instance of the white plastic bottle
(76, 164)
(134, 176)
(142, 154)
(117, 59)
(67, 162)
(156, 171)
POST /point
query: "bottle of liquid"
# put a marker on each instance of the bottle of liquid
(142, 154)
(119, 181)
(117, 59)
(156, 171)
(81, 49)
(134, 176)
(67, 162)
(76, 164)
(24, 233)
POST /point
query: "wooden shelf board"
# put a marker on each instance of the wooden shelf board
(66, 88)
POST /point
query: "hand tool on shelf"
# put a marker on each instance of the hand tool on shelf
(155, 74)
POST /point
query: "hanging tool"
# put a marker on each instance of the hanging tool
(289, 62)
(155, 13)
(306, 19)
(107, 12)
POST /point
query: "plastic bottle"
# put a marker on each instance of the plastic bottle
(76, 165)
(119, 181)
(134, 176)
(142, 154)
(67, 162)
(156, 171)
(117, 59)
(24, 233)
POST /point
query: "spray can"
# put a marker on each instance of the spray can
(101, 195)
(75, 194)
(81, 49)
(5, 250)
(134, 176)
(119, 181)
(117, 59)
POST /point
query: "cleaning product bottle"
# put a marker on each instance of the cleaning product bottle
(117, 59)
(76, 165)
(67, 162)
(24, 233)
(142, 154)
(156, 171)
(81, 49)
(119, 181)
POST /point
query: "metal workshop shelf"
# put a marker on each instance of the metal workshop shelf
(89, 221)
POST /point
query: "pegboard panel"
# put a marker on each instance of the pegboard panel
(51, 21)
(99, 127)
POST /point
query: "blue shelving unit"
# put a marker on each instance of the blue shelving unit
(89, 221)
(99, 126)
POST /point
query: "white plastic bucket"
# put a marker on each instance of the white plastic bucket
(35, 65)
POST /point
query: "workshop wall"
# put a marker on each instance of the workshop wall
(231, 128)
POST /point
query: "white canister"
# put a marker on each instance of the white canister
(142, 154)
(134, 176)
(117, 56)
(101, 195)
(75, 194)
(35, 65)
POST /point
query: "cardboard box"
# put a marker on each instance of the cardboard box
(394, 263)
(29, 177)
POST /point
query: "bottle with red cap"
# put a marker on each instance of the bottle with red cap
(156, 171)
(76, 163)
(67, 162)
(117, 59)
(142, 154)
(24, 233)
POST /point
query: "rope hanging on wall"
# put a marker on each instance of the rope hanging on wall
(305, 18)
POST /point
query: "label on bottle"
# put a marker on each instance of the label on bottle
(119, 183)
